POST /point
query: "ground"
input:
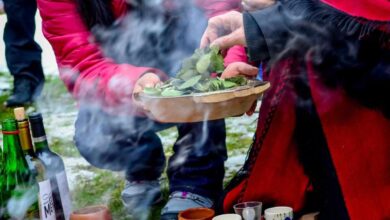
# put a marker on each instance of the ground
(90, 185)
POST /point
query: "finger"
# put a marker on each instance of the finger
(230, 71)
(211, 32)
(230, 40)
(137, 89)
(209, 36)
(240, 68)
(247, 70)
(152, 82)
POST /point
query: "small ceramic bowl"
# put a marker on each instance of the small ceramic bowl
(197, 214)
(98, 212)
(228, 217)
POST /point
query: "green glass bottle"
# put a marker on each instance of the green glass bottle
(2, 213)
(54, 169)
(20, 190)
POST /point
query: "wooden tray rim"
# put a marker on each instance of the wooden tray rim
(217, 96)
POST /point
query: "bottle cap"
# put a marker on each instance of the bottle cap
(20, 114)
(36, 123)
(35, 117)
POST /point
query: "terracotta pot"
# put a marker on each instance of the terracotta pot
(197, 214)
(99, 212)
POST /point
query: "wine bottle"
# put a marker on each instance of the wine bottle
(20, 190)
(54, 171)
(34, 163)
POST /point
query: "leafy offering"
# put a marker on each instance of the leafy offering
(195, 76)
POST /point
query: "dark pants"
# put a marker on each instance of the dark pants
(23, 54)
(131, 144)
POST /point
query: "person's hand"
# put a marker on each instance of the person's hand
(147, 80)
(244, 69)
(251, 5)
(240, 68)
(224, 31)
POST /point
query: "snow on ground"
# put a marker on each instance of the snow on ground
(73, 172)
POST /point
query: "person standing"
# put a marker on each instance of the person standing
(323, 129)
(23, 54)
(111, 131)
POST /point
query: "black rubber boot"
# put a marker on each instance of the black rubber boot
(25, 91)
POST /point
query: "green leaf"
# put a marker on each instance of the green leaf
(202, 86)
(152, 91)
(214, 49)
(177, 82)
(171, 92)
(203, 63)
(187, 64)
(239, 80)
(228, 84)
(216, 84)
(188, 74)
(190, 83)
(217, 63)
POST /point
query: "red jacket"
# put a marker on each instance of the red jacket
(83, 68)
(357, 139)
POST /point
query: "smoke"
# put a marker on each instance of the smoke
(21, 201)
(157, 34)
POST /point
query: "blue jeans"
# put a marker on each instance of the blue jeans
(22, 53)
(131, 144)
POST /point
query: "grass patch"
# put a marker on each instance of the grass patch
(64, 147)
(105, 188)
(238, 142)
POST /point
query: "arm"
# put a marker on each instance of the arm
(87, 74)
(266, 32)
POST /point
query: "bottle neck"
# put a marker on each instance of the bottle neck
(13, 154)
(39, 134)
(25, 138)
(41, 144)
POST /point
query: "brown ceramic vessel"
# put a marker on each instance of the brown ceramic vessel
(98, 212)
(197, 214)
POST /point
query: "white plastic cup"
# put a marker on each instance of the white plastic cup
(227, 217)
(279, 213)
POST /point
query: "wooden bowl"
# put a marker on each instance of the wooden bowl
(203, 106)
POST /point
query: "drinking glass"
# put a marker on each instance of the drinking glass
(249, 210)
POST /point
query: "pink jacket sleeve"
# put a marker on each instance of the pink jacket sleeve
(84, 70)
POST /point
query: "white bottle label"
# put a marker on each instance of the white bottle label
(63, 188)
(47, 211)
